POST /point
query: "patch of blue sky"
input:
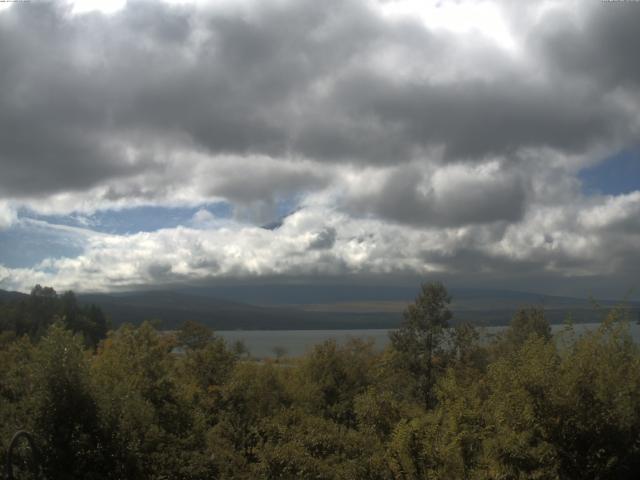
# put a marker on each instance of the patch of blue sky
(283, 208)
(136, 219)
(27, 243)
(36, 237)
(286, 206)
(617, 175)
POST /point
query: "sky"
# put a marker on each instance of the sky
(149, 144)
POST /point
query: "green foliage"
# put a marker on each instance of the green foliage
(43, 307)
(16, 387)
(152, 427)
(518, 402)
(297, 445)
(63, 410)
(332, 376)
(598, 432)
(439, 403)
(526, 322)
(193, 335)
(253, 393)
(419, 340)
(205, 365)
(378, 411)
(208, 367)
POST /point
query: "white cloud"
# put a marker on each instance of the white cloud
(203, 217)
(236, 250)
(7, 215)
(468, 18)
(104, 6)
(321, 241)
(613, 212)
(415, 136)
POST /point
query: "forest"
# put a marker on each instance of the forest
(440, 402)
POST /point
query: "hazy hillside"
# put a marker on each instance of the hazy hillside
(10, 296)
(308, 307)
(172, 308)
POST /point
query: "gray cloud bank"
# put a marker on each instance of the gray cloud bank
(448, 149)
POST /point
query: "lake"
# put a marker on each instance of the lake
(261, 343)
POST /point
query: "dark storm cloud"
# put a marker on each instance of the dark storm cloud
(472, 261)
(159, 270)
(447, 198)
(325, 239)
(237, 89)
(122, 101)
(472, 119)
(259, 181)
(50, 120)
(602, 47)
(77, 89)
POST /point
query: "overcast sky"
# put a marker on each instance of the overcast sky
(483, 143)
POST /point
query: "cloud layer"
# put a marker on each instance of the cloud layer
(406, 137)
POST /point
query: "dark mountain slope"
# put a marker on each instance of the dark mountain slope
(329, 307)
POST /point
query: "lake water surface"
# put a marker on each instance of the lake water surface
(261, 343)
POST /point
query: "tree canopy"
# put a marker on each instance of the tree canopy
(439, 402)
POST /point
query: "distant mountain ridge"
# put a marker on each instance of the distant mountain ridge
(305, 307)
(10, 296)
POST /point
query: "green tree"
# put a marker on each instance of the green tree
(469, 356)
(203, 371)
(44, 306)
(253, 393)
(332, 376)
(193, 335)
(527, 322)
(153, 429)
(520, 402)
(40, 311)
(63, 409)
(420, 338)
(295, 444)
(88, 320)
(597, 394)
(97, 324)
(16, 389)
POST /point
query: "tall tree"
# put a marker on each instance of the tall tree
(526, 323)
(193, 335)
(63, 410)
(420, 337)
